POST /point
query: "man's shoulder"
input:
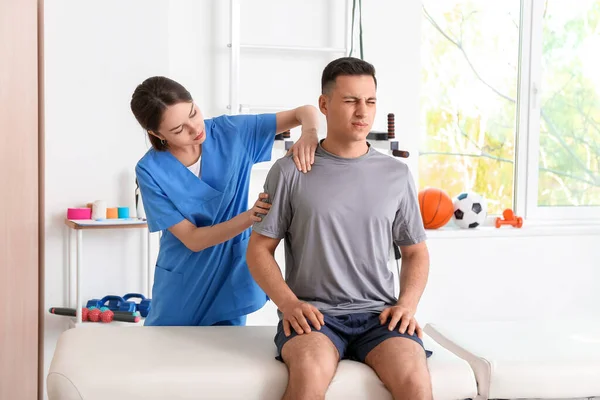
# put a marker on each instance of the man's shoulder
(389, 163)
(285, 166)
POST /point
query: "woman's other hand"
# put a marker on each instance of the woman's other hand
(258, 210)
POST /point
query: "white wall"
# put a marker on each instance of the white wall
(95, 55)
(513, 277)
(97, 52)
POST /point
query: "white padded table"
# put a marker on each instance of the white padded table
(211, 363)
(527, 360)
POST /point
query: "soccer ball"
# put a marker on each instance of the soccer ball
(470, 210)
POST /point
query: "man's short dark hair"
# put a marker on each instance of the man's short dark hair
(345, 66)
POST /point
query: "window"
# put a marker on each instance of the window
(568, 120)
(510, 104)
(470, 53)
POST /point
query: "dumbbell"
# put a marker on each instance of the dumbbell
(96, 314)
(509, 219)
(104, 314)
(114, 303)
(143, 306)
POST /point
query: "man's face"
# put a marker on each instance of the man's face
(350, 107)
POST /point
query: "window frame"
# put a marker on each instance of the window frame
(526, 171)
(528, 127)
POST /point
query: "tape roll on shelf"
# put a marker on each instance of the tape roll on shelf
(79, 213)
(112, 213)
(99, 210)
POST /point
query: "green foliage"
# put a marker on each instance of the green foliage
(468, 103)
(570, 116)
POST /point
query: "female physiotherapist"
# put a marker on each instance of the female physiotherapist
(194, 183)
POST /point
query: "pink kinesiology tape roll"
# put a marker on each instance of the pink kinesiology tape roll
(79, 213)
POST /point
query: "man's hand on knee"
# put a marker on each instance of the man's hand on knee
(403, 316)
(297, 314)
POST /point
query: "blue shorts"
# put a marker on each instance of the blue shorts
(354, 335)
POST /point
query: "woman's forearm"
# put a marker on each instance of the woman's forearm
(200, 238)
(308, 118)
(305, 116)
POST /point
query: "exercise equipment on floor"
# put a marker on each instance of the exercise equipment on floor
(143, 307)
(118, 303)
(95, 314)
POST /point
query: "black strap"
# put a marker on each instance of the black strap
(397, 253)
(360, 31)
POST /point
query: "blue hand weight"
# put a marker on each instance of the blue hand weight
(143, 306)
(93, 303)
(113, 303)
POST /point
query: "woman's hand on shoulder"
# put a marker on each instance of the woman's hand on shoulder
(304, 150)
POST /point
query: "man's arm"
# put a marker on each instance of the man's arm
(260, 258)
(413, 274)
(409, 235)
(260, 255)
(413, 279)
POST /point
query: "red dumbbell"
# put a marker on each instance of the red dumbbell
(509, 219)
(94, 315)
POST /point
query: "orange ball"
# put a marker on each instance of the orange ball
(436, 207)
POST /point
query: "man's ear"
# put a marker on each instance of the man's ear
(323, 99)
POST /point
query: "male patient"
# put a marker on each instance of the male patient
(338, 221)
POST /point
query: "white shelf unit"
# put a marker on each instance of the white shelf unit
(76, 273)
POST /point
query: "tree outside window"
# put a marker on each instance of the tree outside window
(469, 100)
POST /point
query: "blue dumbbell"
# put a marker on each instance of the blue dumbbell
(114, 303)
(143, 306)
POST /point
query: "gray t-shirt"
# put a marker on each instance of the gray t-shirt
(338, 222)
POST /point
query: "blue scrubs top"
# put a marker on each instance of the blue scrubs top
(212, 285)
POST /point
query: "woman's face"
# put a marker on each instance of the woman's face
(182, 125)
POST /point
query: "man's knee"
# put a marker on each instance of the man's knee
(402, 366)
(415, 378)
(312, 353)
(414, 385)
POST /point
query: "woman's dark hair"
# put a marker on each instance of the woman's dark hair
(149, 101)
(345, 66)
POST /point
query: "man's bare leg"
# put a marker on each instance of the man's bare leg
(311, 360)
(401, 365)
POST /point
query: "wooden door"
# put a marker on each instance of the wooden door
(19, 215)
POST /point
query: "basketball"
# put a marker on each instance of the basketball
(436, 208)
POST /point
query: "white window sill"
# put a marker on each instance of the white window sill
(529, 228)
